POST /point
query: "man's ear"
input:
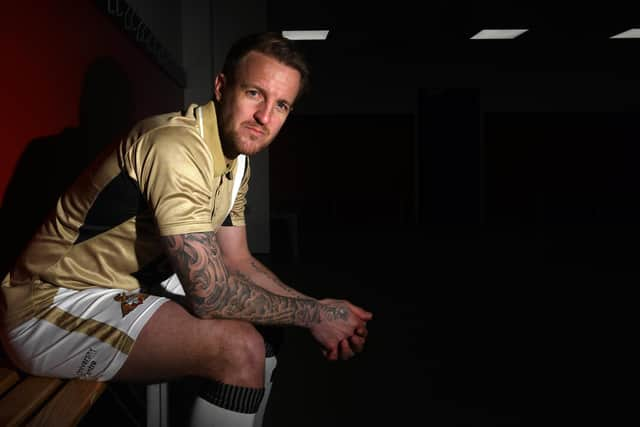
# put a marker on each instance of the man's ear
(218, 86)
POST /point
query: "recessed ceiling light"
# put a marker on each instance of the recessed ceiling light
(633, 33)
(306, 34)
(498, 34)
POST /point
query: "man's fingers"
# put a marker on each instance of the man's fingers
(330, 354)
(345, 350)
(361, 312)
(357, 343)
(362, 331)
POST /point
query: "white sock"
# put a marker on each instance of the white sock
(269, 366)
(225, 405)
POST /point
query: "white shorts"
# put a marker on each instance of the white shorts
(86, 334)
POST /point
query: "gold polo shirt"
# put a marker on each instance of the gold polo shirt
(169, 176)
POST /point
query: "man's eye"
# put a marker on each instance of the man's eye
(252, 93)
(283, 107)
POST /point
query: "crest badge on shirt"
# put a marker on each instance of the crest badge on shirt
(128, 303)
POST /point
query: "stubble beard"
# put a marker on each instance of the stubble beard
(247, 144)
(234, 145)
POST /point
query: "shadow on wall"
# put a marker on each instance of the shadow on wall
(49, 164)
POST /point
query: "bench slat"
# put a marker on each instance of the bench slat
(8, 377)
(25, 398)
(70, 404)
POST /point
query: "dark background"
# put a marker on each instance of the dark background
(480, 199)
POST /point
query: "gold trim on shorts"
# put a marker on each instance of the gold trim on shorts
(93, 328)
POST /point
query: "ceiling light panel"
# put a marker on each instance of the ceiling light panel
(306, 34)
(498, 34)
(633, 33)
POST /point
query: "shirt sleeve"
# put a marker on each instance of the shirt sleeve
(174, 170)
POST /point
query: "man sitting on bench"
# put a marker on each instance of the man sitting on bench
(165, 207)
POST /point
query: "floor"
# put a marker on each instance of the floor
(478, 329)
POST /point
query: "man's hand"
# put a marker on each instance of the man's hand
(343, 330)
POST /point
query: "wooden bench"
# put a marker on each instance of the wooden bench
(27, 400)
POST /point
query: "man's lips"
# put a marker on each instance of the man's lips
(256, 129)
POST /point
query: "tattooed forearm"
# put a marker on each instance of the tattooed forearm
(242, 299)
(213, 292)
(260, 269)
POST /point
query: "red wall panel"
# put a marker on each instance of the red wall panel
(47, 47)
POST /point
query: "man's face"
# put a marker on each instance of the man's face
(255, 104)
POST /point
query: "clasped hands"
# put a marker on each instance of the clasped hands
(347, 332)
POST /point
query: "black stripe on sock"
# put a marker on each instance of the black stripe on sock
(234, 398)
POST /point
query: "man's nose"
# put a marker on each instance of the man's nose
(263, 113)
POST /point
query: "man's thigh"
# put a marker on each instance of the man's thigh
(175, 344)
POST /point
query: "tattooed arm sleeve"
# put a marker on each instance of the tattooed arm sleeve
(213, 292)
(254, 271)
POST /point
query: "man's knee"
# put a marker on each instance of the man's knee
(237, 353)
(242, 342)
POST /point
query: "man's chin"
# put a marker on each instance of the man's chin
(251, 148)
(252, 151)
